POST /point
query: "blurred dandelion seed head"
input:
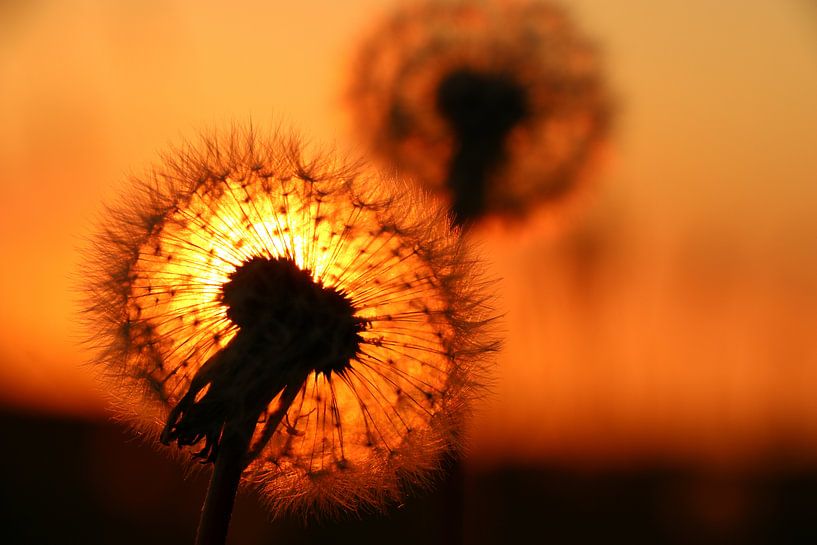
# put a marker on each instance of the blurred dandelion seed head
(246, 278)
(502, 102)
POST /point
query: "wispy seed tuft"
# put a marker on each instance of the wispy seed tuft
(329, 309)
(500, 105)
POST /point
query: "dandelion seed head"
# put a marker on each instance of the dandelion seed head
(499, 104)
(247, 280)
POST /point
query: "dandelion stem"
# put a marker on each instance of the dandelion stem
(468, 181)
(218, 505)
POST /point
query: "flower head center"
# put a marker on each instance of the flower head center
(481, 110)
(275, 301)
(289, 326)
(481, 107)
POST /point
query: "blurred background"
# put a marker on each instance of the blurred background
(659, 375)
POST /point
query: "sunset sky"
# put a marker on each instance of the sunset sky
(673, 317)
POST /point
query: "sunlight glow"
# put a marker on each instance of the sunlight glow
(396, 402)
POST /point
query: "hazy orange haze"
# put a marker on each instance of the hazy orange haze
(674, 319)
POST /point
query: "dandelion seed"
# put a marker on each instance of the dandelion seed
(500, 105)
(289, 313)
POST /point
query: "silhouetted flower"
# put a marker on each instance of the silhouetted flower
(246, 286)
(500, 103)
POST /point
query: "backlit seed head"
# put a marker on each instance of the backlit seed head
(498, 104)
(247, 281)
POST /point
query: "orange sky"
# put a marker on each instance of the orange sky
(671, 319)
